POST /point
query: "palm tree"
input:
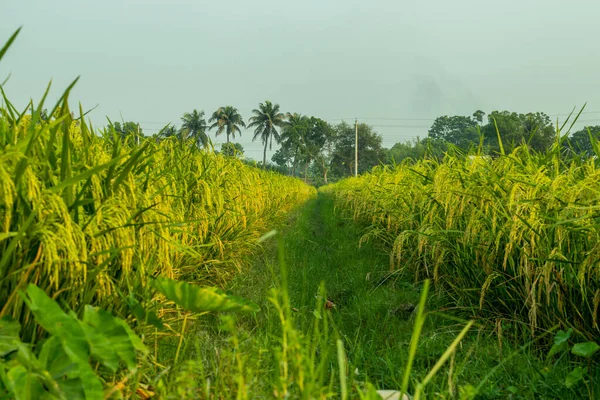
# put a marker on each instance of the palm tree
(227, 119)
(194, 127)
(293, 134)
(168, 131)
(266, 119)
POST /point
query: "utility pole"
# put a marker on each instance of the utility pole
(356, 148)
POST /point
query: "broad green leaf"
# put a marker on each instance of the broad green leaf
(50, 316)
(92, 387)
(72, 336)
(103, 347)
(117, 336)
(586, 349)
(562, 336)
(54, 359)
(23, 385)
(555, 349)
(73, 378)
(201, 299)
(133, 337)
(72, 388)
(574, 376)
(36, 368)
(9, 335)
(560, 342)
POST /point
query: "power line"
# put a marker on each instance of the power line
(163, 124)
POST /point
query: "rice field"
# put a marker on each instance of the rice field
(114, 251)
(89, 217)
(514, 238)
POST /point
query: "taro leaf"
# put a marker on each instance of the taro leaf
(201, 299)
(72, 388)
(121, 339)
(560, 342)
(574, 376)
(562, 336)
(72, 337)
(102, 347)
(9, 335)
(36, 369)
(586, 349)
(89, 382)
(54, 359)
(22, 384)
(49, 315)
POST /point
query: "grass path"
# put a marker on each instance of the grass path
(371, 311)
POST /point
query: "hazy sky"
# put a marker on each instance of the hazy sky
(394, 64)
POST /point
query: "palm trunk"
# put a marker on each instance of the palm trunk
(227, 139)
(265, 156)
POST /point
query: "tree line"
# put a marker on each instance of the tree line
(503, 131)
(309, 146)
(318, 151)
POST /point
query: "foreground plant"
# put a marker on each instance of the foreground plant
(70, 362)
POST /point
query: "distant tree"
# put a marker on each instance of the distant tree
(313, 141)
(168, 131)
(417, 149)
(284, 157)
(227, 119)
(293, 133)
(409, 149)
(533, 129)
(580, 142)
(303, 140)
(458, 130)
(194, 127)
(324, 148)
(128, 129)
(538, 130)
(478, 116)
(370, 152)
(266, 119)
(232, 149)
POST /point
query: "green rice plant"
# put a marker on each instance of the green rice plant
(515, 237)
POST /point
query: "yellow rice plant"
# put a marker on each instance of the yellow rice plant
(514, 236)
(89, 218)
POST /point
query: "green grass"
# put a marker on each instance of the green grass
(374, 318)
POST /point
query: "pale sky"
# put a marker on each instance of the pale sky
(394, 64)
